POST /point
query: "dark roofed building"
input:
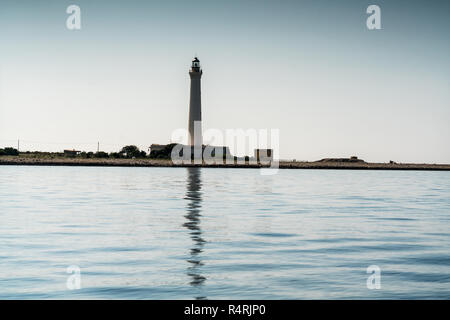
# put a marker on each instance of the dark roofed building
(71, 153)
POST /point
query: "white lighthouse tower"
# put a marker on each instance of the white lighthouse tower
(195, 105)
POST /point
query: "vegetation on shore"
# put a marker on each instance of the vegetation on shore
(127, 152)
(9, 152)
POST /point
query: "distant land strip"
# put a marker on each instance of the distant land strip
(12, 160)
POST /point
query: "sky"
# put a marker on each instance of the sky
(310, 69)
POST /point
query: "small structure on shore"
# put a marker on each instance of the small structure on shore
(71, 153)
(352, 159)
(157, 147)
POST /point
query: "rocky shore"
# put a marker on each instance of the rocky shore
(61, 161)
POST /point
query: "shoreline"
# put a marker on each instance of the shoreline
(21, 161)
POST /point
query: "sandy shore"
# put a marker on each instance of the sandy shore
(11, 160)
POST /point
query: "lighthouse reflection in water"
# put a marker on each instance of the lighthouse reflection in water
(193, 215)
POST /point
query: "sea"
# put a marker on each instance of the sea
(71, 232)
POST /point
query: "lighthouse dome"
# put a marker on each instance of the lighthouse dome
(195, 63)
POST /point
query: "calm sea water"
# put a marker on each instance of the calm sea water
(178, 233)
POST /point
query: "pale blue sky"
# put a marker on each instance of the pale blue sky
(309, 68)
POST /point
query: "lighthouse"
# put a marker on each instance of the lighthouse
(195, 105)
